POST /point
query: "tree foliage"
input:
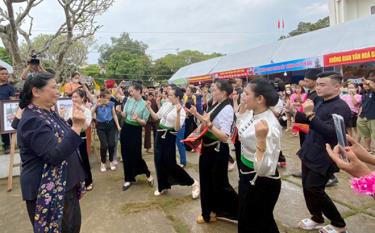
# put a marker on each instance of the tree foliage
(166, 66)
(4, 55)
(125, 58)
(75, 57)
(304, 27)
(79, 23)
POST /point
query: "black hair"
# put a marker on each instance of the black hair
(37, 80)
(104, 92)
(137, 86)
(312, 74)
(261, 87)
(193, 89)
(224, 85)
(371, 75)
(178, 92)
(81, 94)
(3, 68)
(75, 73)
(331, 75)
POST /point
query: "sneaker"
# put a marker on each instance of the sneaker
(195, 191)
(115, 162)
(103, 167)
(162, 192)
(126, 186)
(332, 229)
(231, 166)
(150, 180)
(333, 181)
(182, 165)
(112, 166)
(309, 224)
(89, 187)
(200, 219)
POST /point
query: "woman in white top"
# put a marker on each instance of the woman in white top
(218, 198)
(79, 98)
(171, 116)
(259, 132)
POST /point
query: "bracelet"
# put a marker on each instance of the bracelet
(311, 116)
(261, 149)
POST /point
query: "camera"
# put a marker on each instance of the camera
(34, 60)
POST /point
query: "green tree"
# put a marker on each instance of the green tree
(74, 58)
(91, 70)
(4, 55)
(166, 66)
(304, 27)
(125, 58)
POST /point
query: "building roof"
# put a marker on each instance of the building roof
(352, 35)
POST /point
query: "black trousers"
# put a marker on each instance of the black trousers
(237, 147)
(190, 126)
(167, 170)
(257, 203)
(85, 162)
(317, 200)
(71, 222)
(131, 151)
(106, 133)
(150, 126)
(217, 195)
(5, 138)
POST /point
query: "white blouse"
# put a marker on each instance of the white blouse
(168, 114)
(246, 131)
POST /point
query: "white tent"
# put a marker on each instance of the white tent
(7, 66)
(352, 35)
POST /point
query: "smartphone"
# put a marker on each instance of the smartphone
(340, 133)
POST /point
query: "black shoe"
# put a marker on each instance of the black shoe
(333, 181)
(297, 174)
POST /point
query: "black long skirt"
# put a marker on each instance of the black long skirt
(167, 170)
(217, 195)
(131, 151)
(257, 203)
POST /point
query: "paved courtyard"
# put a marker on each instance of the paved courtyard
(108, 209)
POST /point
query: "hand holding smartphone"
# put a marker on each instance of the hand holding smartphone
(340, 134)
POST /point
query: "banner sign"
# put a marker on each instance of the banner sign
(350, 57)
(294, 65)
(203, 78)
(234, 73)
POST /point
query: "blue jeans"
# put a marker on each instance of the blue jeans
(181, 145)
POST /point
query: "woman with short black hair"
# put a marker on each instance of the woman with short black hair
(259, 132)
(52, 177)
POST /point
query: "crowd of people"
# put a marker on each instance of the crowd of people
(55, 146)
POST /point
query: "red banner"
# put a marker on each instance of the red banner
(198, 79)
(350, 57)
(233, 73)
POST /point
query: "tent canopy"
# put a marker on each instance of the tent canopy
(352, 35)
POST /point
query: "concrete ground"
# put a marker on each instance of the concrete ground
(108, 209)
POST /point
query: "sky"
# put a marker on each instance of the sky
(168, 26)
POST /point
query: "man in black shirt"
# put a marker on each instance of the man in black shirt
(7, 92)
(317, 167)
(309, 83)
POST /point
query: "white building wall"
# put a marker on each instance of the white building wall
(345, 10)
